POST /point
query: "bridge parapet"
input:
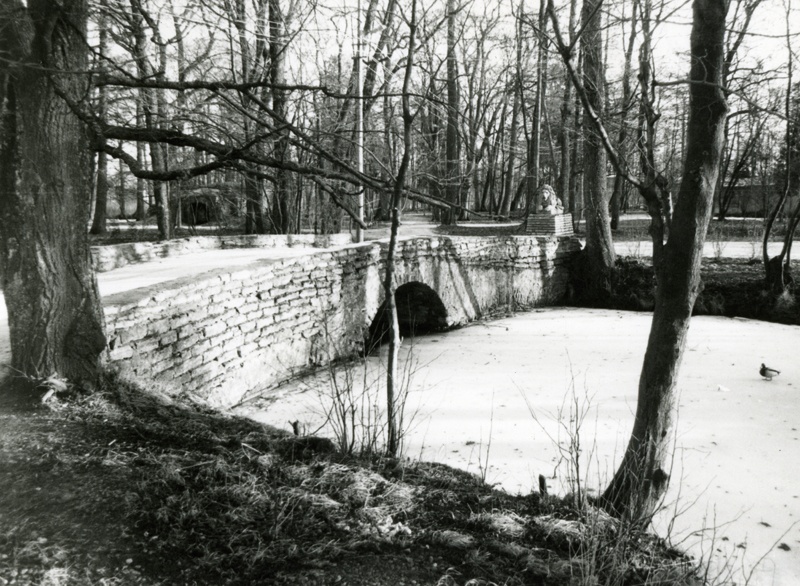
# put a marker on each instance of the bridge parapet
(114, 256)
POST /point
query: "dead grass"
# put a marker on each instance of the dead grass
(129, 487)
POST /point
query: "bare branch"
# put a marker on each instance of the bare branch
(567, 56)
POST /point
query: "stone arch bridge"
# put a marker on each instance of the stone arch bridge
(224, 333)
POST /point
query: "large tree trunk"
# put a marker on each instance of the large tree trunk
(599, 250)
(54, 312)
(644, 473)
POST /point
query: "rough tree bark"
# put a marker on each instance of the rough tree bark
(643, 474)
(599, 252)
(54, 312)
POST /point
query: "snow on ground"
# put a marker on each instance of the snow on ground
(737, 444)
(710, 250)
(172, 268)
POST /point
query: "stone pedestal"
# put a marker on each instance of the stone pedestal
(552, 225)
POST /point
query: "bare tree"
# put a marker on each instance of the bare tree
(642, 476)
(743, 11)
(509, 182)
(599, 251)
(143, 28)
(54, 312)
(101, 171)
(392, 444)
(566, 177)
(452, 138)
(777, 269)
(678, 237)
(737, 157)
(625, 107)
(281, 213)
(534, 142)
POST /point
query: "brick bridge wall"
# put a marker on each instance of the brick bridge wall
(229, 332)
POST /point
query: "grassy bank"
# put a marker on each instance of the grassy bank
(126, 486)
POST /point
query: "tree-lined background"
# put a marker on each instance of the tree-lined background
(248, 110)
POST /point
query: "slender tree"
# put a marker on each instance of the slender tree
(570, 127)
(152, 101)
(452, 139)
(643, 474)
(393, 440)
(625, 107)
(535, 140)
(281, 213)
(742, 16)
(777, 269)
(678, 237)
(101, 171)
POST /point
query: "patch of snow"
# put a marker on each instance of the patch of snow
(737, 444)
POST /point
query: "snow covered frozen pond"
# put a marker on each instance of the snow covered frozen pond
(737, 441)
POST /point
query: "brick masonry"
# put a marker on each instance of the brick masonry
(229, 332)
(558, 224)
